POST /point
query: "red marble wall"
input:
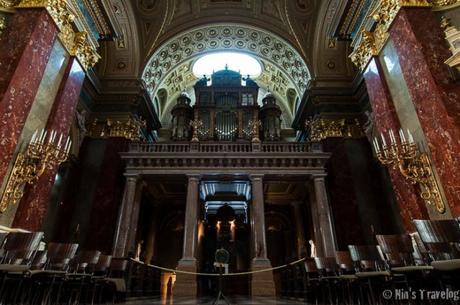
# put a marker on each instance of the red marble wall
(107, 198)
(33, 206)
(93, 197)
(25, 49)
(348, 227)
(411, 206)
(422, 50)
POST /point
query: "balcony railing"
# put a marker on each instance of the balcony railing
(211, 157)
(283, 147)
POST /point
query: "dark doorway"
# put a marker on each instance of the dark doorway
(225, 225)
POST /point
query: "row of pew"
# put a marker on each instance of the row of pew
(421, 268)
(58, 273)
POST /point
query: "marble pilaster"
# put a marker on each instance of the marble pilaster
(26, 46)
(422, 50)
(33, 206)
(186, 285)
(317, 234)
(410, 205)
(124, 217)
(263, 284)
(133, 224)
(39, 111)
(326, 223)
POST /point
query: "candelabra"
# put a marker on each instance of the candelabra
(414, 165)
(42, 152)
(254, 126)
(196, 124)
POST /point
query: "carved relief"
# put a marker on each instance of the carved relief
(272, 8)
(147, 5)
(183, 7)
(302, 4)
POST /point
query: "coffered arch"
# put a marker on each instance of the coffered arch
(170, 64)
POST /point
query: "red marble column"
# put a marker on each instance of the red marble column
(422, 50)
(410, 204)
(33, 206)
(25, 49)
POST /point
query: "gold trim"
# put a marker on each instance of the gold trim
(2, 24)
(8, 4)
(372, 42)
(76, 43)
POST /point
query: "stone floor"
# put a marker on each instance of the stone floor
(205, 301)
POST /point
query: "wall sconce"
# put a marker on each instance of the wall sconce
(413, 164)
(42, 153)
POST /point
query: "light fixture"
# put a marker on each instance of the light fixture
(42, 152)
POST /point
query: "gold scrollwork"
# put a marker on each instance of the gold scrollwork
(76, 43)
(130, 129)
(320, 129)
(414, 165)
(371, 43)
(441, 3)
(2, 24)
(8, 3)
(43, 152)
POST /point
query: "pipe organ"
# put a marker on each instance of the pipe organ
(225, 105)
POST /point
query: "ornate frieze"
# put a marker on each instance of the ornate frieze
(321, 128)
(130, 129)
(372, 42)
(76, 43)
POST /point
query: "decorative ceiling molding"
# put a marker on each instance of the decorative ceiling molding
(217, 37)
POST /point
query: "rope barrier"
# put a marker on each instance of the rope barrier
(216, 274)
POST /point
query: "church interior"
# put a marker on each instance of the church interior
(229, 152)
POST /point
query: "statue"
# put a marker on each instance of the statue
(312, 248)
(139, 250)
(369, 126)
(81, 122)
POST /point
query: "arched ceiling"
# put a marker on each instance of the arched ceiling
(272, 79)
(284, 67)
(146, 27)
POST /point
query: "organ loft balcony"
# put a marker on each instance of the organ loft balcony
(227, 127)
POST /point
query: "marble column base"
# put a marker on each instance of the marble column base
(186, 285)
(263, 284)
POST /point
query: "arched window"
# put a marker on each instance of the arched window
(240, 62)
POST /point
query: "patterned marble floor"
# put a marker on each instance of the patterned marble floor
(206, 301)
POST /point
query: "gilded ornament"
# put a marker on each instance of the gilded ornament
(403, 154)
(196, 124)
(43, 152)
(2, 24)
(130, 129)
(8, 4)
(76, 43)
(320, 129)
(372, 42)
(442, 3)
